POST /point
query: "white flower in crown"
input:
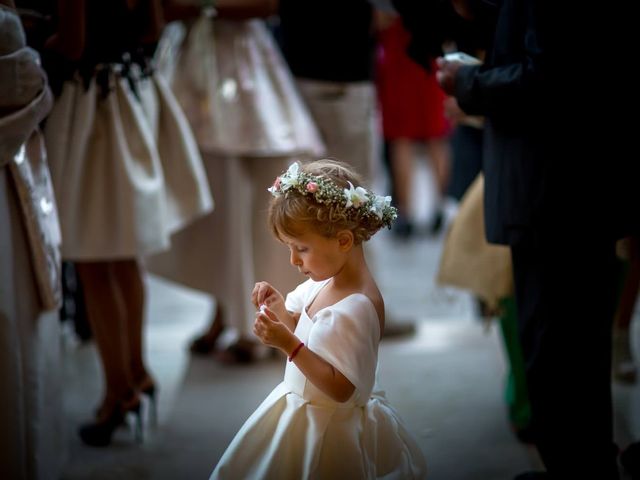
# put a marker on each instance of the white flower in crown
(355, 196)
(290, 178)
(379, 204)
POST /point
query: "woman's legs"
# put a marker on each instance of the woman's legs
(108, 318)
(439, 154)
(402, 152)
(128, 280)
(118, 336)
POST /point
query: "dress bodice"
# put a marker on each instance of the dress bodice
(345, 334)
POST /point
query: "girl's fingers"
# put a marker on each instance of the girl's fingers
(260, 326)
(257, 331)
(257, 293)
(262, 291)
(270, 315)
(255, 298)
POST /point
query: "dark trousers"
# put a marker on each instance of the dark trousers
(565, 294)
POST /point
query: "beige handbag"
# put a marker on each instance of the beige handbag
(468, 261)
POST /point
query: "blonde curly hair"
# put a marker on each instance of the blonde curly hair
(293, 211)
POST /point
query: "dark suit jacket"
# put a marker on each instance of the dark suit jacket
(553, 163)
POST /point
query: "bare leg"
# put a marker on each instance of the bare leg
(107, 316)
(439, 154)
(402, 153)
(128, 278)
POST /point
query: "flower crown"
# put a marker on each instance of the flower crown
(356, 201)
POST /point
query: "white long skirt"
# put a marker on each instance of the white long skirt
(32, 444)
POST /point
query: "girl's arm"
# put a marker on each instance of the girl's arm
(322, 374)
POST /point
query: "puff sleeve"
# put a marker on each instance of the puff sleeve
(346, 335)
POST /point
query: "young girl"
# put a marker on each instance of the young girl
(326, 419)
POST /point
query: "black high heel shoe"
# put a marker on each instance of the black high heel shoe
(150, 391)
(98, 434)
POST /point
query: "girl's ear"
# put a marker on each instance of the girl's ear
(345, 240)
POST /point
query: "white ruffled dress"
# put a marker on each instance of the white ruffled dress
(298, 432)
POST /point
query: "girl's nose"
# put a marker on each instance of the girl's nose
(295, 260)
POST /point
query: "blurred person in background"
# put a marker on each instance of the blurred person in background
(538, 196)
(412, 110)
(330, 49)
(126, 174)
(31, 415)
(250, 124)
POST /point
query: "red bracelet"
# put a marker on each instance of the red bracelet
(295, 351)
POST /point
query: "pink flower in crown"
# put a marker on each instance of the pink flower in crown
(312, 187)
(275, 188)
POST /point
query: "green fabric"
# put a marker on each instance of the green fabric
(516, 393)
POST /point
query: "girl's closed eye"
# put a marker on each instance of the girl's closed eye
(301, 249)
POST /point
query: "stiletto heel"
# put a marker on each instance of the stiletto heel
(138, 433)
(150, 392)
(98, 434)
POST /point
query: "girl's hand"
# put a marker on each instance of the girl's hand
(264, 294)
(272, 332)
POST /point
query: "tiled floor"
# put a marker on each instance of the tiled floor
(446, 382)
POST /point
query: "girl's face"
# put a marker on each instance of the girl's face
(314, 255)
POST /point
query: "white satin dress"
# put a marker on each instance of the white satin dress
(298, 432)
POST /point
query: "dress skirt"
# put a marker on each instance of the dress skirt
(299, 432)
(125, 167)
(411, 101)
(236, 89)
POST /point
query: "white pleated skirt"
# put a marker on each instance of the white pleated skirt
(125, 167)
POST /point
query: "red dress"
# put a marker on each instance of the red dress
(411, 101)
